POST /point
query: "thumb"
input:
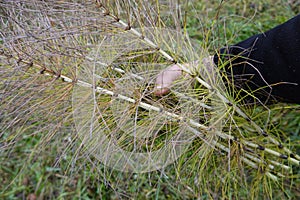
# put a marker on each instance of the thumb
(165, 79)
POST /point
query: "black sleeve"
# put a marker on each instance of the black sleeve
(270, 60)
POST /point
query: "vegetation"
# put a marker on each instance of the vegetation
(47, 149)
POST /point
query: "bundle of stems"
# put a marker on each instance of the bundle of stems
(93, 64)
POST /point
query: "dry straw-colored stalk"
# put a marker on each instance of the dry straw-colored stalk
(107, 54)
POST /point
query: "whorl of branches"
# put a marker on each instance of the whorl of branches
(95, 62)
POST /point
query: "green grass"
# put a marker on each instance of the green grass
(35, 167)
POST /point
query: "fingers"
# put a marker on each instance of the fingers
(165, 79)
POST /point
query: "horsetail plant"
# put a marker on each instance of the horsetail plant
(85, 71)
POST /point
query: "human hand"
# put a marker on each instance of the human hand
(167, 76)
(165, 79)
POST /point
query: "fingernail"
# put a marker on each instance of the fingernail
(159, 87)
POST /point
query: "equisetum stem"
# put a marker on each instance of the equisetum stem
(166, 113)
(178, 117)
(256, 146)
(142, 78)
(188, 71)
(244, 159)
(192, 122)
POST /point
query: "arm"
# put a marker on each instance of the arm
(270, 60)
